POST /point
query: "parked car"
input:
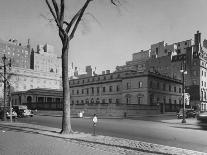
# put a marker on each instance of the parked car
(191, 113)
(202, 116)
(188, 113)
(22, 111)
(8, 114)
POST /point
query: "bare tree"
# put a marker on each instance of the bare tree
(66, 33)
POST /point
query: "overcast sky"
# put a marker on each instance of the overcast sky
(117, 33)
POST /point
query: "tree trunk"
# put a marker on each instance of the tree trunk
(66, 124)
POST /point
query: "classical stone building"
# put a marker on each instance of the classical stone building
(128, 88)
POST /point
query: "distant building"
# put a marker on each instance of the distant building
(164, 59)
(18, 53)
(45, 60)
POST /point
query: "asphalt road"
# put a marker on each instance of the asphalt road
(178, 135)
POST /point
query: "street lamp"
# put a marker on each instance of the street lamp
(5, 82)
(183, 71)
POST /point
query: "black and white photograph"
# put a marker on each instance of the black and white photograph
(103, 77)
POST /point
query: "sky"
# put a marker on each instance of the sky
(108, 36)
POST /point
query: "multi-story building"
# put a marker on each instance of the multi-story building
(45, 60)
(25, 79)
(29, 69)
(168, 60)
(19, 54)
(128, 88)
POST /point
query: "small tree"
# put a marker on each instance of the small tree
(66, 33)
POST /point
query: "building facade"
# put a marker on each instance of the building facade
(45, 60)
(19, 54)
(168, 60)
(128, 88)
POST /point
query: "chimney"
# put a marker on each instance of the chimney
(197, 38)
(103, 72)
(107, 71)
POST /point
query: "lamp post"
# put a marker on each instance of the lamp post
(183, 71)
(5, 82)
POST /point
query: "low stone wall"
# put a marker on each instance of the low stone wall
(102, 110)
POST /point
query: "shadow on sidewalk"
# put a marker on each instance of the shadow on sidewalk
(24, 129)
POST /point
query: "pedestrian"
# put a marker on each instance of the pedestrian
(95, 120)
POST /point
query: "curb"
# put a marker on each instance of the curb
(103, 140)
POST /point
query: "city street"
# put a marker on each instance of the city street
(188, 136)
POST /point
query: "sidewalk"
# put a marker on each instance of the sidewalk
(104, 144)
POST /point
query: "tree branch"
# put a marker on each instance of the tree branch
(56, 9)
(79, 18)
(62, 8)
(56, 19)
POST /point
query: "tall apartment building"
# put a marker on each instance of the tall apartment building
(168, 60)
(18, 53)
(29, 69)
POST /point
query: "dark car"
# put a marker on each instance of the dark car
(202, 116)
(188, 113)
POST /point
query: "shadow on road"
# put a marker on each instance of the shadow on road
(199, 126)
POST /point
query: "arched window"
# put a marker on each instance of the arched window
(29, 99)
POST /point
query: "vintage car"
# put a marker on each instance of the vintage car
(202, 116)
(22, 111)
(188, 113)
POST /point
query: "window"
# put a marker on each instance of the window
(92, 90)
(82, 91)
(140, 84)
(151, 84)
(195, 73)
(87, 91)
(158, 85)
(72, 92)
(164, 86)
(128, 99)
(156, 50)
(110, 100)
(139, 98)
(169, 87)
(104, 89)
(97, 90)
(179, 90)
(128, 85)
(77, 91)
(110, 88)
(117, 88)
(175, 102)
(103, 100)
(175, 89)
